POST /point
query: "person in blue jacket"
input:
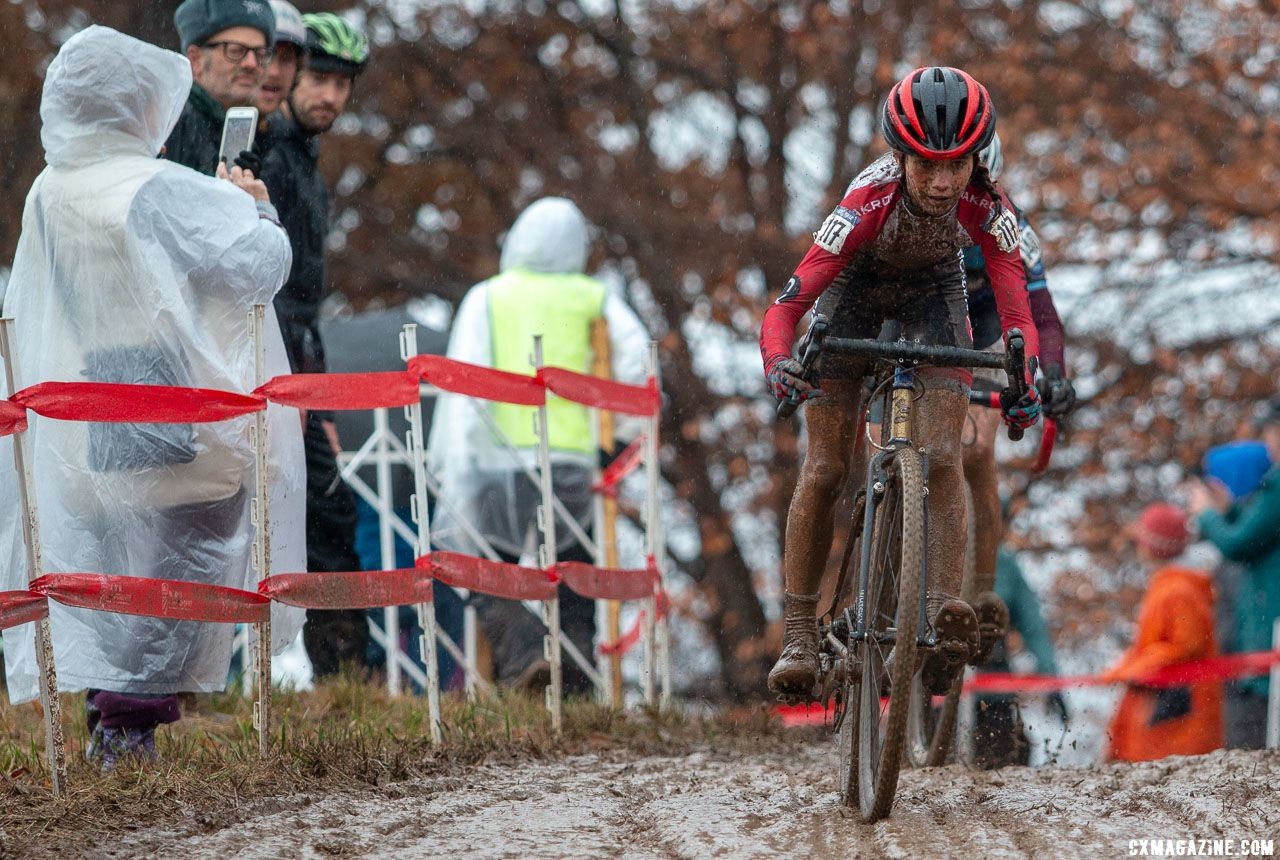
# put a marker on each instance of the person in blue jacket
(1247, 531)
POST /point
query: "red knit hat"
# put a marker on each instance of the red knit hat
(1162, 529)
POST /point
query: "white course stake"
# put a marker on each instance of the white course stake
(418, 509)
(657, 538)
(547, 523)
(261, 517)
(652, 549)
(470, 649)
(604, 690)
(387, 540)
(48, 674)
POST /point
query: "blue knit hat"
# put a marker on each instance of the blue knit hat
(197, 20)
(1241, 466)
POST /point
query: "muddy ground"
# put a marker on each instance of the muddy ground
(777, 799)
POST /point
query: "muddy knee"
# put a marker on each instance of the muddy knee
(821, 480)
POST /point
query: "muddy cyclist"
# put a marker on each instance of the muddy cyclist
(890, 256)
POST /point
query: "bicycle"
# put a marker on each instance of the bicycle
(892, 569)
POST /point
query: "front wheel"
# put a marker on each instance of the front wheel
(892, 621)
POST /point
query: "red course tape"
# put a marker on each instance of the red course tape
(624, 464)
(360, 589)
(21, 607)
(473, 380)
(601, 393)
(607, 583)
(628, 640)
(497, 578)
(158, 598)
(13, 418)
(342, 391)
(143, 404)
(1223, 668)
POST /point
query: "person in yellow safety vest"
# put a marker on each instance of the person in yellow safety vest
(540, 290)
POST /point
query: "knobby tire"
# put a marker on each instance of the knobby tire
(897, 551)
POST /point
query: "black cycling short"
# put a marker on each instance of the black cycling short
(985, 318)
(928, 306)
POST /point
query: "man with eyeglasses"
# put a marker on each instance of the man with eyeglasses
(230, 43)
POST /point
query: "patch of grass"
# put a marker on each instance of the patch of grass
(346, 734)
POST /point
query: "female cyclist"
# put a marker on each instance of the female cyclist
(891, 251)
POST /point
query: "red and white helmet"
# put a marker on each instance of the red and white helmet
(938, 113)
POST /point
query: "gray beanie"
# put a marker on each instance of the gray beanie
(197, 20)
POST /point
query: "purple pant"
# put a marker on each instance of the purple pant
(119, 711)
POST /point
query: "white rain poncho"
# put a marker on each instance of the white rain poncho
(482, 483)
(134, 269)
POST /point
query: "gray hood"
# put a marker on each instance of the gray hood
(550, 236)
(108, 94)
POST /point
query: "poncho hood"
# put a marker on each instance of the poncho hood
(550, 236)
(108, 94)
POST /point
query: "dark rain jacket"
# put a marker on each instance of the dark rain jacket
(198, 134)
(297, 189)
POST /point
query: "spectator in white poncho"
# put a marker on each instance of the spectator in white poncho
(133, 269)
(541, 290)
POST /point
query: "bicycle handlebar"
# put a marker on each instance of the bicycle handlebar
(910, 354)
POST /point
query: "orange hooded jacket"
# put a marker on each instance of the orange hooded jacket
(1175, 624)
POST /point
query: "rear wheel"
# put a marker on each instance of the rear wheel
(931, 723)
(893, 606)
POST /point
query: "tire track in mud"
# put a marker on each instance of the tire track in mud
(774, 799)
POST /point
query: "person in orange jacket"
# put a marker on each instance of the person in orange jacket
(1175, 624)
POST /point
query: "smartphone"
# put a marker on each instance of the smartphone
(237, 133)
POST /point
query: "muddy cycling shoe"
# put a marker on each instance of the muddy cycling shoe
(993, 623)
(955, 625)
(795, 674)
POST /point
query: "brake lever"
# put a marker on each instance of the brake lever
(1015, 365)
(810, 352)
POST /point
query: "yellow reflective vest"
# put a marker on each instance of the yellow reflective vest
(560, 307)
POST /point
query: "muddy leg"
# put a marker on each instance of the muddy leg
(980, 472)
(940, 416)
(831, 422)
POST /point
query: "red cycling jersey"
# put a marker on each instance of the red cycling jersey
(874, 220)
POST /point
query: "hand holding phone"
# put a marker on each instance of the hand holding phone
(245, 181)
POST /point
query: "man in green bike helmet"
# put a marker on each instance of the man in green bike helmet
(333, 45)
(335, 53)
